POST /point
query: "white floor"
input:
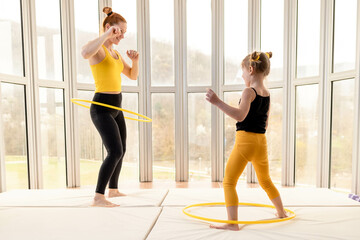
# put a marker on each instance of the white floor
(157, 214)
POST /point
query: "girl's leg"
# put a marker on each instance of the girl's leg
(261, 166)
(234, 168)
(113, 183)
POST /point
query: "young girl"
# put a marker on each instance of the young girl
(250, 143)
(106, 65)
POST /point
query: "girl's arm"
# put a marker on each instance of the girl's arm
(239, 114)
(92, 48)
(131, 72)
(268, 115)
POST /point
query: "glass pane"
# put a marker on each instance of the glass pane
(306, 146)
(14, 126)
(162, 42)
(130, 167)
(86, 29)
(342, 134)
(199, 125)
(272, 35)
(345, 35)
(11, 44)
(236, 42)
(274, 134)
(308, 48)
(91, 154)
(199, 42)
(52, 137)
(127, 9)
(231, 98)
(163, 135)
(48, 33)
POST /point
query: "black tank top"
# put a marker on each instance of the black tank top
(255, 121)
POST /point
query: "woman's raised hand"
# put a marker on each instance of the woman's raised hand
(133, 55)
(113, 32)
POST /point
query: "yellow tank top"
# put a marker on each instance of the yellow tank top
(107, 73)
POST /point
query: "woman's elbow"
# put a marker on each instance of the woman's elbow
(85, 54)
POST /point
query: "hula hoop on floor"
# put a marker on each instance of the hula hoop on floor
(74, 100)
(293, 215)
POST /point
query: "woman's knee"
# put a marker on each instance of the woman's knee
(117, 153)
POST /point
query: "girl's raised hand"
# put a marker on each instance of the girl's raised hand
(133, 55)
(212, 97)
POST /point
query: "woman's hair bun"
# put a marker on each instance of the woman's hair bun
(107, 10)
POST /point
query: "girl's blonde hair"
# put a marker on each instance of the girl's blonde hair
(112, 17)
(260, 61)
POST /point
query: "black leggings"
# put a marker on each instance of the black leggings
(110, 123)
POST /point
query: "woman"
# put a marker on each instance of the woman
(106, 66)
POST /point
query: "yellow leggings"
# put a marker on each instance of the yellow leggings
(251, 147)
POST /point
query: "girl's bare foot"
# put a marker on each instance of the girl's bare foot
(100, 201)
(115, 193)
(232, 227)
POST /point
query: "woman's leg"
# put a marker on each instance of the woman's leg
(113, 183)
(110, 135)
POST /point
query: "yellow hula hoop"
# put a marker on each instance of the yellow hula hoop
(74, 100)
(237, 222)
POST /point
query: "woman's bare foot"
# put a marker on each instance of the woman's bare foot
(115, 193)
(100, 201)
(232, 227)
(282, 215)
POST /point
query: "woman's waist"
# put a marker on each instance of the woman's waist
(108, 98)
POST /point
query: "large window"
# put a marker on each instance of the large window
(344, 35)
(308, 48)
(163, 135)
(11, 44)
(86, 29)
(306, 132)
(48, 40)
(127, 9)
(199, 125)
(91, 152)
(162, 42)
(342, 134)
(198, 42)
(162, 75)
(14, 127)
(186, 46)
(236, 42)
(199, 74)
(271, 40)
(130, 167)
(52, 137)
(272, 35)
(274, 133)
